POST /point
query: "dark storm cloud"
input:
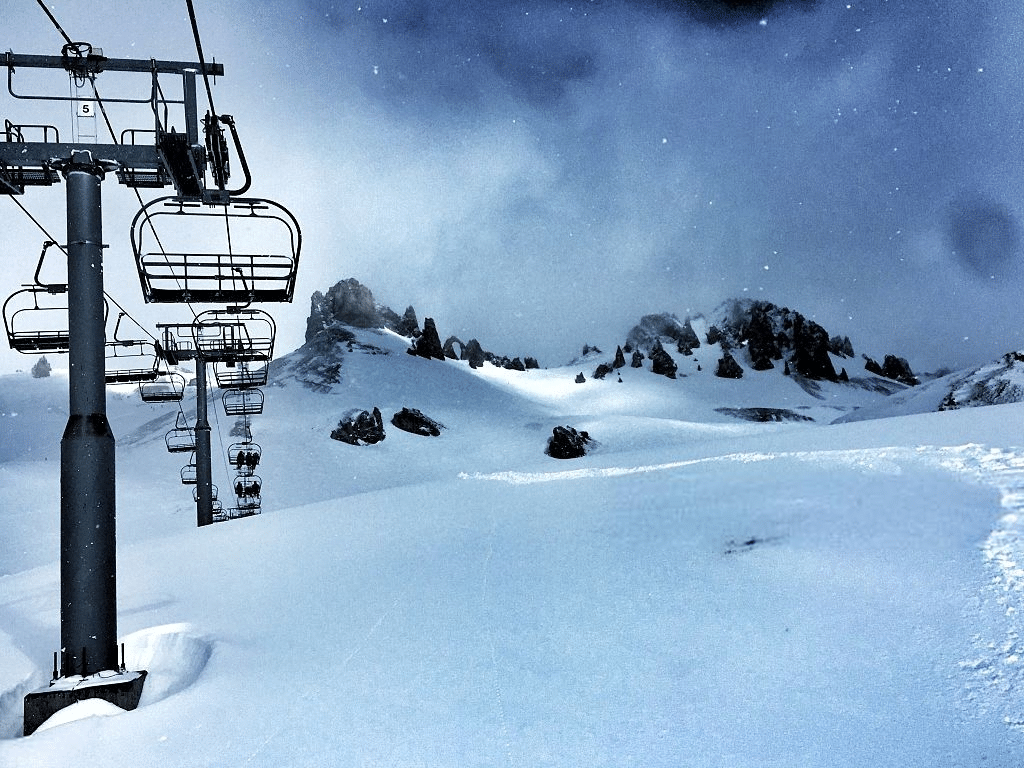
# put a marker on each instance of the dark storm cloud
(624, 157)
(730, 11)
(983, 235)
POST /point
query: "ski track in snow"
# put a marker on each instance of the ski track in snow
(998, 668)
(996, 672)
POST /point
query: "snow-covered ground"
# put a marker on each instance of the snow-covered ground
(699, 591)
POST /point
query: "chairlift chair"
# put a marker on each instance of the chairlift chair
(167, 387)
(234, 335)
(129, 361)
(181, 438)
(36, 317)
(241, 375)
(243, 402)
(244, 457)
(188, 472)
(257, 262)
(176, 342)
(213, 493)
(248, 487)
(242, 510)
(36, 321)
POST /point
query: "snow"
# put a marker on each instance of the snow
(700, 591)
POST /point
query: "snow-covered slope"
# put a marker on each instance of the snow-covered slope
(701, 590)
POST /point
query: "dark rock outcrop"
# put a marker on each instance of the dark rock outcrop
(654, 328)
(349, 302)
(580, 378)
(428, 344)
(620, 359)
(771, 333)
(895, 368)
(995, 384)
(810, 350)
(662, 362)
(474, 353)
(405, 325)
(603, 370)
(450, 350)
(414, 421)
(728, 368)
(360, 428)
(567, 443)
(762, 343)
(638, 359)
(840, 346)
(764, 414)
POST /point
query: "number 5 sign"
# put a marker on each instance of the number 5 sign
(86, 109)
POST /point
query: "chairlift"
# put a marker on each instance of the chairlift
(167, 387)
(176, 342)
(243, 402)
(246, 509)
(244, 457)
(213, 493)
(188, 472)
(248, 487)
(257, 262)
(240, 375)
(234, 335)
(129, 361)
(14, 178)
(36, 317)
(36, 321)
(181, 437)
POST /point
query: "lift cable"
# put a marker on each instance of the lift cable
(55, 22)
(43, 229)
(75, 48)
(199, 52)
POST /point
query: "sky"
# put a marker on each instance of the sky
(538, 175)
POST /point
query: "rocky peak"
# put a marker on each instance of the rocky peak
(349, 302)
(771, 333)
(653, 329)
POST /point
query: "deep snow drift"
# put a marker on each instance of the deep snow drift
(698, 591)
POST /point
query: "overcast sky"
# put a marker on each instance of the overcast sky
(538, 175)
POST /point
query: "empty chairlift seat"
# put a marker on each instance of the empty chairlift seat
(167, 387)
(255, 258)
(233, 336)
(242, 402)
(182, 438)
(130, 362)
(241, 375)
(36, 320)
(188, 472)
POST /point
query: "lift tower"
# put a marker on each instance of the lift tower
(88, 616)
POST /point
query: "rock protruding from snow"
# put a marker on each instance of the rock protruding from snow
(728, 368)
(360, 428)
(428, 344)
(567, 443)
(895, 368)
(349, 302)
(415, 422)
(654, 328)
(999, 383)
(771, 333)
(662, 362)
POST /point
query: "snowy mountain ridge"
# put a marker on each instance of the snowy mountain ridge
(699, 590)
(728, 577)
